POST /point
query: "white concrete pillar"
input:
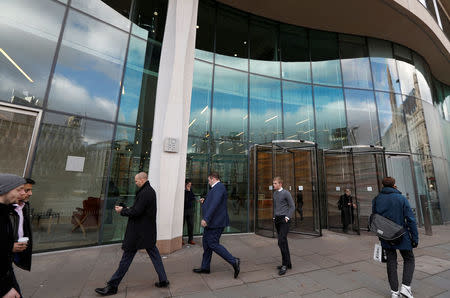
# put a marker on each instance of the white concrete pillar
(173, 101)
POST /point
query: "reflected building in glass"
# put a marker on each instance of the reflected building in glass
(91, 90)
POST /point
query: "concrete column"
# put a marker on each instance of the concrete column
(172, 108)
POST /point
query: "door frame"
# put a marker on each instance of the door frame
(273, 147)
(8, 107)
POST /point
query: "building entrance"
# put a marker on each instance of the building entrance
(18, 130)
(295, 162)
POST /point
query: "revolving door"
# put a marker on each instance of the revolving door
(295, 161)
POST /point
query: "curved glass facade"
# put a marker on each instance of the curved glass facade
(256, 80)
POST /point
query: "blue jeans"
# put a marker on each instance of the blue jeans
(126, 260)
(211, 244)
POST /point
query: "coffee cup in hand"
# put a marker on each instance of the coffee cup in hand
(23, 240)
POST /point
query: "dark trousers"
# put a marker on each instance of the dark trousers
(408, 267)
(211, 244)
(282, 230)
(189, 220)
(16, 284)
(126, 260)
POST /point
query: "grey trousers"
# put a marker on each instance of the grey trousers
(408, 267)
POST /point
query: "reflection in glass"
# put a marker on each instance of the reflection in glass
(204, 39)
(232, 39)
(232, 168)
(263, 48)
(326, 67)
(89, 68)
(298, 112)
(230, 110)
(394, 136)
(150, 15)
(294, 46)
(331, 127)
(361, 117)
(384, 70)
(408, 78)
(200, 99)
(415, 123)
(354, 61)
(65, 193)
(265, 109)
(139, 84)
(29, 31)
(130, 155)
(102, 11)
(423, 78)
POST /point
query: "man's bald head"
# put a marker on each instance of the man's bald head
(140, 179)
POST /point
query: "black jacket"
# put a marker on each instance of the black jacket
(23, 259)
(141, 227)
(6, 246)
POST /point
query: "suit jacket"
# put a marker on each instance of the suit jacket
(23, 259)
(214, 208)
(6, 246)
(141, 227)
(391, 204)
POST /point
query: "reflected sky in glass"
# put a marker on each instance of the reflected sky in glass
(356, 73)
(392, 122)
(385, 74)
(104, 12)
(327, 72)
(89, 68)
(331, 125)
(230, 110)
(200, 99)
(296, 71)
(407, 77)
(361, 117)
(29, 31)
(265, 109)
(298, 111)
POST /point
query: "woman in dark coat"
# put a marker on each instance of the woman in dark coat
(346, 206)
(391, 204)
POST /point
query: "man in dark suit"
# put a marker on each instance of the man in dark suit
(215, 219)
(140, 234)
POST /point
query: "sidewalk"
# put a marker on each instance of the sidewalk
(335, 265)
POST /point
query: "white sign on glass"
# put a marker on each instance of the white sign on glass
(300, 187)
(338, 188)
(369, 188)
(75, 163)
(270, 187)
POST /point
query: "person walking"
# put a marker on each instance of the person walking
(189, 200)
(140, 234)
(11, 191)
(215, 219)
(391, 204)
(346, 205)
(284, 208)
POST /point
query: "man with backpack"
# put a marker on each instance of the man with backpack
(391, 204)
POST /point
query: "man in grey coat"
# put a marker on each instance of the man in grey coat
(284, 208)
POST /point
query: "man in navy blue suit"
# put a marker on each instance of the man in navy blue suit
(215, 219)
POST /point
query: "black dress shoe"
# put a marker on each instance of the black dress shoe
(106, 291)
(237, 267)
(288, 267)
(283, 270)
(200, 270)
(162, 284)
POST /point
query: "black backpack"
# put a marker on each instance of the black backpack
(385, 228)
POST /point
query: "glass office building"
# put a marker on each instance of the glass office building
(78, 83)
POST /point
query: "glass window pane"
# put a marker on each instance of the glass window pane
(265, 110)
(230, 104)
(139, 84)
(150, 16)
(204, 42)
(123, 7)
(263, 48)
(130, 155)
(89, 68)
(355, 64)
(325, 58)
(394, 136)
(200, 99)
(408, 78)
(231, 39)
(295, 59)
(29, 31)
(331, 125)
(102, 11)
(423, 78)
(361, 117)
(64, 194)
(298, 111)
(415, 123)
(384, 70)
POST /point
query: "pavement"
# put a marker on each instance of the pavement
(334, 265)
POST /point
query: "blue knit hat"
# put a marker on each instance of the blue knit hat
(9, 181)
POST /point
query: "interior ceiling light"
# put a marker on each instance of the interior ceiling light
(192, 122)
(204, 109)
(240, 134)
(303, 121)
(15, 64)
(270, 119)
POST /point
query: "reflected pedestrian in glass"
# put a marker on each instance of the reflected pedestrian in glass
(347, 206)
(189, 200)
